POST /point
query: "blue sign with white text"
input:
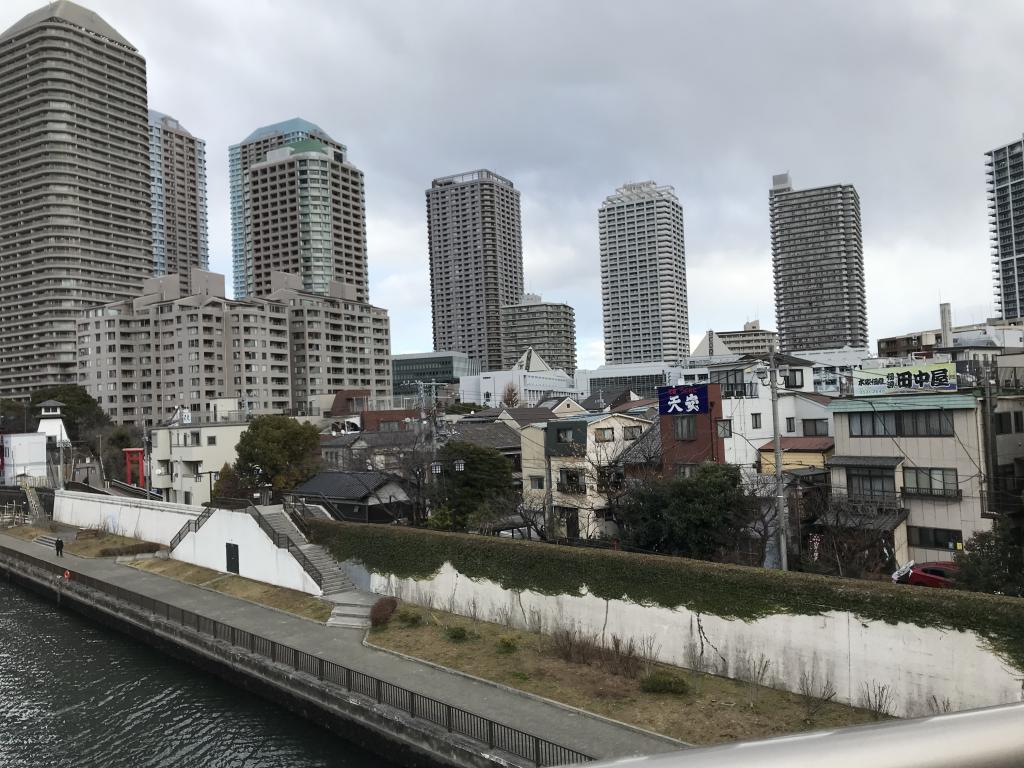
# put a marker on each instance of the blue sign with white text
(689, 398)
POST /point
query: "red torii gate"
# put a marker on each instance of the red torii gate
(136, 456)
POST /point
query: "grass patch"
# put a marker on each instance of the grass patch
(729, 591)
(456, 634)
(108, 545)
(27, 532)
(715, 710)
(663, 681)
(289, 600)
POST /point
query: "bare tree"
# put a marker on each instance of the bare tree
(850, 537)
(510, 397)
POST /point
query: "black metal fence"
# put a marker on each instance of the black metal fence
(538, 751)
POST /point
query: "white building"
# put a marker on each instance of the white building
(23, 456)
(643, 275)
(752, 340)
(612, 380)
(533, 379)
(184, 456)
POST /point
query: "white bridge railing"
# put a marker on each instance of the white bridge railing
(979, 738)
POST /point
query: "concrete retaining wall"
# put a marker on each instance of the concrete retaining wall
(923, 667)
(155, 521)
(258, 558)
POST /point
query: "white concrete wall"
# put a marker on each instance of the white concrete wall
(918, 663)
(258, 558)
(24, 454)
(155, 521)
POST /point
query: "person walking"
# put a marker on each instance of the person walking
(58, 545)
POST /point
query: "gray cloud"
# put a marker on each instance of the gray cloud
(571, 99)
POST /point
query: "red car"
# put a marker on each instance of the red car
(927, 574)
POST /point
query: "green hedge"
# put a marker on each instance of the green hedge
(728, 591)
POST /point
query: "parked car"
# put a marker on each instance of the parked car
(927, 574)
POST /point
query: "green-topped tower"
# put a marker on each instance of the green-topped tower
(297, 206)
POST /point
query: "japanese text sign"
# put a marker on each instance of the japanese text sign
(691, 398)
(937, 377)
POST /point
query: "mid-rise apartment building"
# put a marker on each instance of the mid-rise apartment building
(818, 265)
(335, 343)
(1006, 222)
(74, 186)
(296, 189)
(177, 165)
(548, 327)
(476, 262)
(643, 275)
(752, 340)
(174, 349)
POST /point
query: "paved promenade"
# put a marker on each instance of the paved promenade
(580, 731)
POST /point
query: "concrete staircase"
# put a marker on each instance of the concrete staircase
(34, 505)
(46, 541)
(352, 607)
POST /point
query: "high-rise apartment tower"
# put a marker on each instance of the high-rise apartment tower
(818, 263)
(548, 327)
(643, 275)
(1006, 222)
(476, 262)
(297, 206)
(177, 164)
(74, 186)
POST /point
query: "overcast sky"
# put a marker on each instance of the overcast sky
(571, 99)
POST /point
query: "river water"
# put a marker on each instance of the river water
(74, 694)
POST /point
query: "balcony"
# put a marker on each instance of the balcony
(880, 500)
(942, 493)
(574, 487)
(739, 389)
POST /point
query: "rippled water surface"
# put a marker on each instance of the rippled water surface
(75, 694)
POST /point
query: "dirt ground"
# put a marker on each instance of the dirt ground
(715, 710)
(290, 600)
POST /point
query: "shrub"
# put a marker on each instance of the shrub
(409, 617)
(663, 681)
(456, 634)
(572, 645)
(729, 591)
(382, 611)
(508, 644)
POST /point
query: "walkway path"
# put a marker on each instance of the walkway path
(580, 731)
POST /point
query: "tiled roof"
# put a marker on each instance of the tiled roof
(490, 435)
(344, 485)
(885, 462)
(810, 444)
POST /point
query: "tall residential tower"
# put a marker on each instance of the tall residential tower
(297, 206)
(1006, 222)
(74, 186)
(476, 262)
(177, 164)
(643, 275)
(818, 263)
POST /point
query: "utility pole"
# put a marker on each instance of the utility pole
(780, 502)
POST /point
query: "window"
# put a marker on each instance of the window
(632, 433)
(755, 421)
(815, 427)
(929, 423)
(794, 379)
(563, 436)
(211, 440)
(389, 426)
(935, 538)
(1018, 421)
(870, 482)
(684, 426)
(724, 428)
(686, 470)
(604, 435)
(791, 424)
(1003, 424)
(536, 482)
(921, 481)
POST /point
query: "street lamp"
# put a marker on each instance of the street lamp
(211, 476)
(770, 375)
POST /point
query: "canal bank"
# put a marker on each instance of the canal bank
(413, 713)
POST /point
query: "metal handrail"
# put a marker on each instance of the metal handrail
(329, 674)
(191, 526)
(984, 738)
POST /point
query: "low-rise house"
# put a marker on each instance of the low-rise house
(356, 496)
(920, 455)
(497, 435)
(571, 471)
(187, 457)
(387, 451)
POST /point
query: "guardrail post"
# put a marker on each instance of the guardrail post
(348, 679)
(448, 716)
(273, 651)
(320, 669)
(412, 705)
(380, 698)
(490, 734)
(536, 750)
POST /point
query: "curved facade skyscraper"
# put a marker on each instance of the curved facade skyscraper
(643, 275)
(74, 187)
